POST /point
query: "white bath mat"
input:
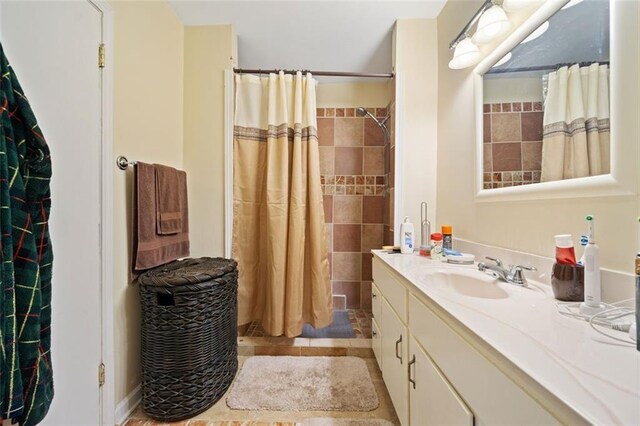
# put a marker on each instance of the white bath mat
(298, 383)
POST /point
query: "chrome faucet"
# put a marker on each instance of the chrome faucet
(513, 275)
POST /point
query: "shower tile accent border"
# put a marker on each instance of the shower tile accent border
(378, 112)
(513, 107)
(354, 185)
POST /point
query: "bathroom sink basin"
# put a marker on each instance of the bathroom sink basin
(473, 287)
(466, 283)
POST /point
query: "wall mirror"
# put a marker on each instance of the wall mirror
(552, 117)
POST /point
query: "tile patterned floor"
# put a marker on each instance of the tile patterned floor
(360, 321)
(142, 422)
(221, 415)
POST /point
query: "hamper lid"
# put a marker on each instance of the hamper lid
(188, 271)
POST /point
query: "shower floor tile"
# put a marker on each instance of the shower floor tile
(360, 321)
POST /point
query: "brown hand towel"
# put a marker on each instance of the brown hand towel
(151, 249)
(168, 200)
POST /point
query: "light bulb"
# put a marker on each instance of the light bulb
(465, 54)
(492, 24)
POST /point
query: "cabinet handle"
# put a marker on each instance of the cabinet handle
(413, 361)
(374, 295)
(397, 344)
(373, 333)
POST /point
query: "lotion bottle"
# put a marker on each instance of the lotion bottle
(591, 304)
(406, 236)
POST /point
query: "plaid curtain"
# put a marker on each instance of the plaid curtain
(26, 378)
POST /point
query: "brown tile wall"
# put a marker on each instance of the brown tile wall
(354, 181)
(512, 151)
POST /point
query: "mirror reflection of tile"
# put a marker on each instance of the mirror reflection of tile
(512, 148)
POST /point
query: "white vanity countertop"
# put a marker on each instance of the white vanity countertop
(596, 377)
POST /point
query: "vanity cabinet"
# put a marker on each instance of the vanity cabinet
(433, 399)
(376, 336)
(455, 383)
(394, 364)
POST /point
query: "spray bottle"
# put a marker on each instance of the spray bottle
(591, 304)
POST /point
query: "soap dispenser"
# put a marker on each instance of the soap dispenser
(406, 236)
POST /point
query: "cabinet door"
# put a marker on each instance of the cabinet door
(432, 400)
(376, 304)
(394, 361)
(376, 341)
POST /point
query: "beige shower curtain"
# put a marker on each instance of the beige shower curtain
(278, 219)
(575, 141)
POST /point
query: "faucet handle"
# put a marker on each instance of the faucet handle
(496, 260)
(516, 275)
(521, 267)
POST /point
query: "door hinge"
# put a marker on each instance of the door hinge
(101, 56)
(101, 374)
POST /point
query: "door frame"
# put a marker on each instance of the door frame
(107, 402)
(228, 160)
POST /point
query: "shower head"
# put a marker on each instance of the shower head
(361, 112)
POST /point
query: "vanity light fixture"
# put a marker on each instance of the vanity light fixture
(492, 24)
(518, 5)
(465, 55)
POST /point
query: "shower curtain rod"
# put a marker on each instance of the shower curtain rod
(314, 73)
(554, 67)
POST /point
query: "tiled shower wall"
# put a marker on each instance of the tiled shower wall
(352, 168)
(512, 143)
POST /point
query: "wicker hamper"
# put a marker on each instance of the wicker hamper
(189, 329)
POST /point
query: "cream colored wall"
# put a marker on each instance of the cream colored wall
(527, 226)
(208, 51)
(415, 50)
(498, 90)
(147, 126)
(351, 94)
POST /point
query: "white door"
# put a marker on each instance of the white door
(52, 46)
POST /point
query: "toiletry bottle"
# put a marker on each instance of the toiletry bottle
(436, 246)
(447, 237)
(565, 253)
(591, 304)
(406, 236)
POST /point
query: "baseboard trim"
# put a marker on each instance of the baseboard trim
(128, 404)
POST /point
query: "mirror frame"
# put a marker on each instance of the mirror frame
(624, 179)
